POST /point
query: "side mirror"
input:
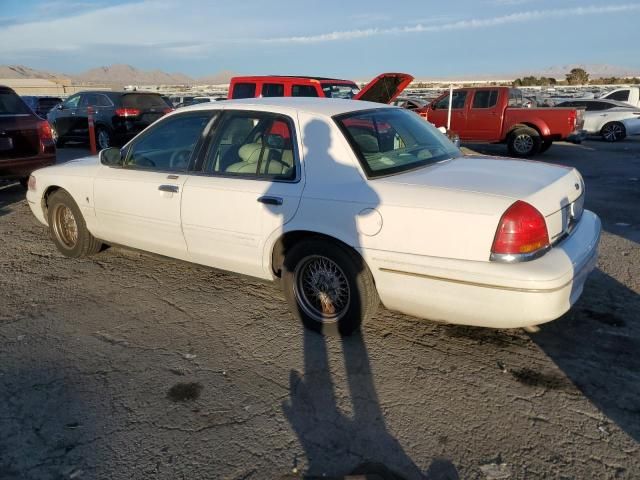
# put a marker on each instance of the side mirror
(110, 157)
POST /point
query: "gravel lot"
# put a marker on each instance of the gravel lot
(131, 366)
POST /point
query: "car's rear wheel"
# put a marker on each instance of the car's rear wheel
(103, 138)
(67, 227)
(524, 142)
(329, 288)
(613, 132)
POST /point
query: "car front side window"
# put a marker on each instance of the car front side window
(169, 145)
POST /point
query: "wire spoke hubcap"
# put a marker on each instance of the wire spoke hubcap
(65, 226)
(321, 288)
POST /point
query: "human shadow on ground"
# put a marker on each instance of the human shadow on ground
(336, 442)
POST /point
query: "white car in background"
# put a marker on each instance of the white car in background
(629, 95)
(610, 119)
(344, 203)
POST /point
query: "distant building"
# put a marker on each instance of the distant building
(39, 86)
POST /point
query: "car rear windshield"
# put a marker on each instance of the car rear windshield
(10, 103)
(394, 140)
(143, 101)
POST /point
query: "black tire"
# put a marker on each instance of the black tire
(104, 139)
(24, 181)
(546, 145)
(341, 264)
(613, 132)
(60, 206)
(524, 142)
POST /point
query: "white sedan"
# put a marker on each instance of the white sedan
(611, 120)
(344, 203)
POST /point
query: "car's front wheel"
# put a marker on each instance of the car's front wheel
(67, 227)
(613, 132)
(329, 288)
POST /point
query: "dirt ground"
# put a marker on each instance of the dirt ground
(129, 366)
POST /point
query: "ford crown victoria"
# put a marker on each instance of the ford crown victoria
(345, 203)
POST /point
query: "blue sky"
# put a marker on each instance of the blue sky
(355, 39)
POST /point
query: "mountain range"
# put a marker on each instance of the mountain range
(116, 75)
(128, 75)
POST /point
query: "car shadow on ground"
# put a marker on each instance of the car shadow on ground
(10, 193)
(596, 345)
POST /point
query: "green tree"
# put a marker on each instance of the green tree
(577, 76)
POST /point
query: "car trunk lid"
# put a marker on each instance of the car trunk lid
(384, 88)
(556, 192)
(19, 136)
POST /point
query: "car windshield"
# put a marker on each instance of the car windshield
(10, 103)
(340, 90)
(393, 140)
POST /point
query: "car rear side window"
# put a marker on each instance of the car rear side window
(143, 101)
(393, 140)
(622, 95)
(10, 103)
(485, 98)
(103, 101)
(253, 145)
(169, 145)
(244, 90)
(304, 91)
(273, 90)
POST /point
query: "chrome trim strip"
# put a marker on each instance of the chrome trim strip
(476, 284)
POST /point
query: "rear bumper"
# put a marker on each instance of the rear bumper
(489, 294)
(577, 136)
(22, 167)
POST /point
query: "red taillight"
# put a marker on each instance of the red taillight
(522, 229)
(44, 131)
(127, 112)
(45, 135)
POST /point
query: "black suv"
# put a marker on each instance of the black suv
(118, 116)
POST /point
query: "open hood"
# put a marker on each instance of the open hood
(384, 88)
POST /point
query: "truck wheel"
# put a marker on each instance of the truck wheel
(67, 227)
(524, 142)
(329, 288)
(546, 145)
(613, 132)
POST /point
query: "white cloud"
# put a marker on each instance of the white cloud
(521, 17)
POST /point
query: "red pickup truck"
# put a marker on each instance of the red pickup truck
(496, 115)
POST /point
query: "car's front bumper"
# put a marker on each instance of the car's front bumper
(489, 294)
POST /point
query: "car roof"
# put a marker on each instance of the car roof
(249, 78)
(617, 103)
(322, 106)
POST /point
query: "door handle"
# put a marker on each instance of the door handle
(267, 200)
(169, 188)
